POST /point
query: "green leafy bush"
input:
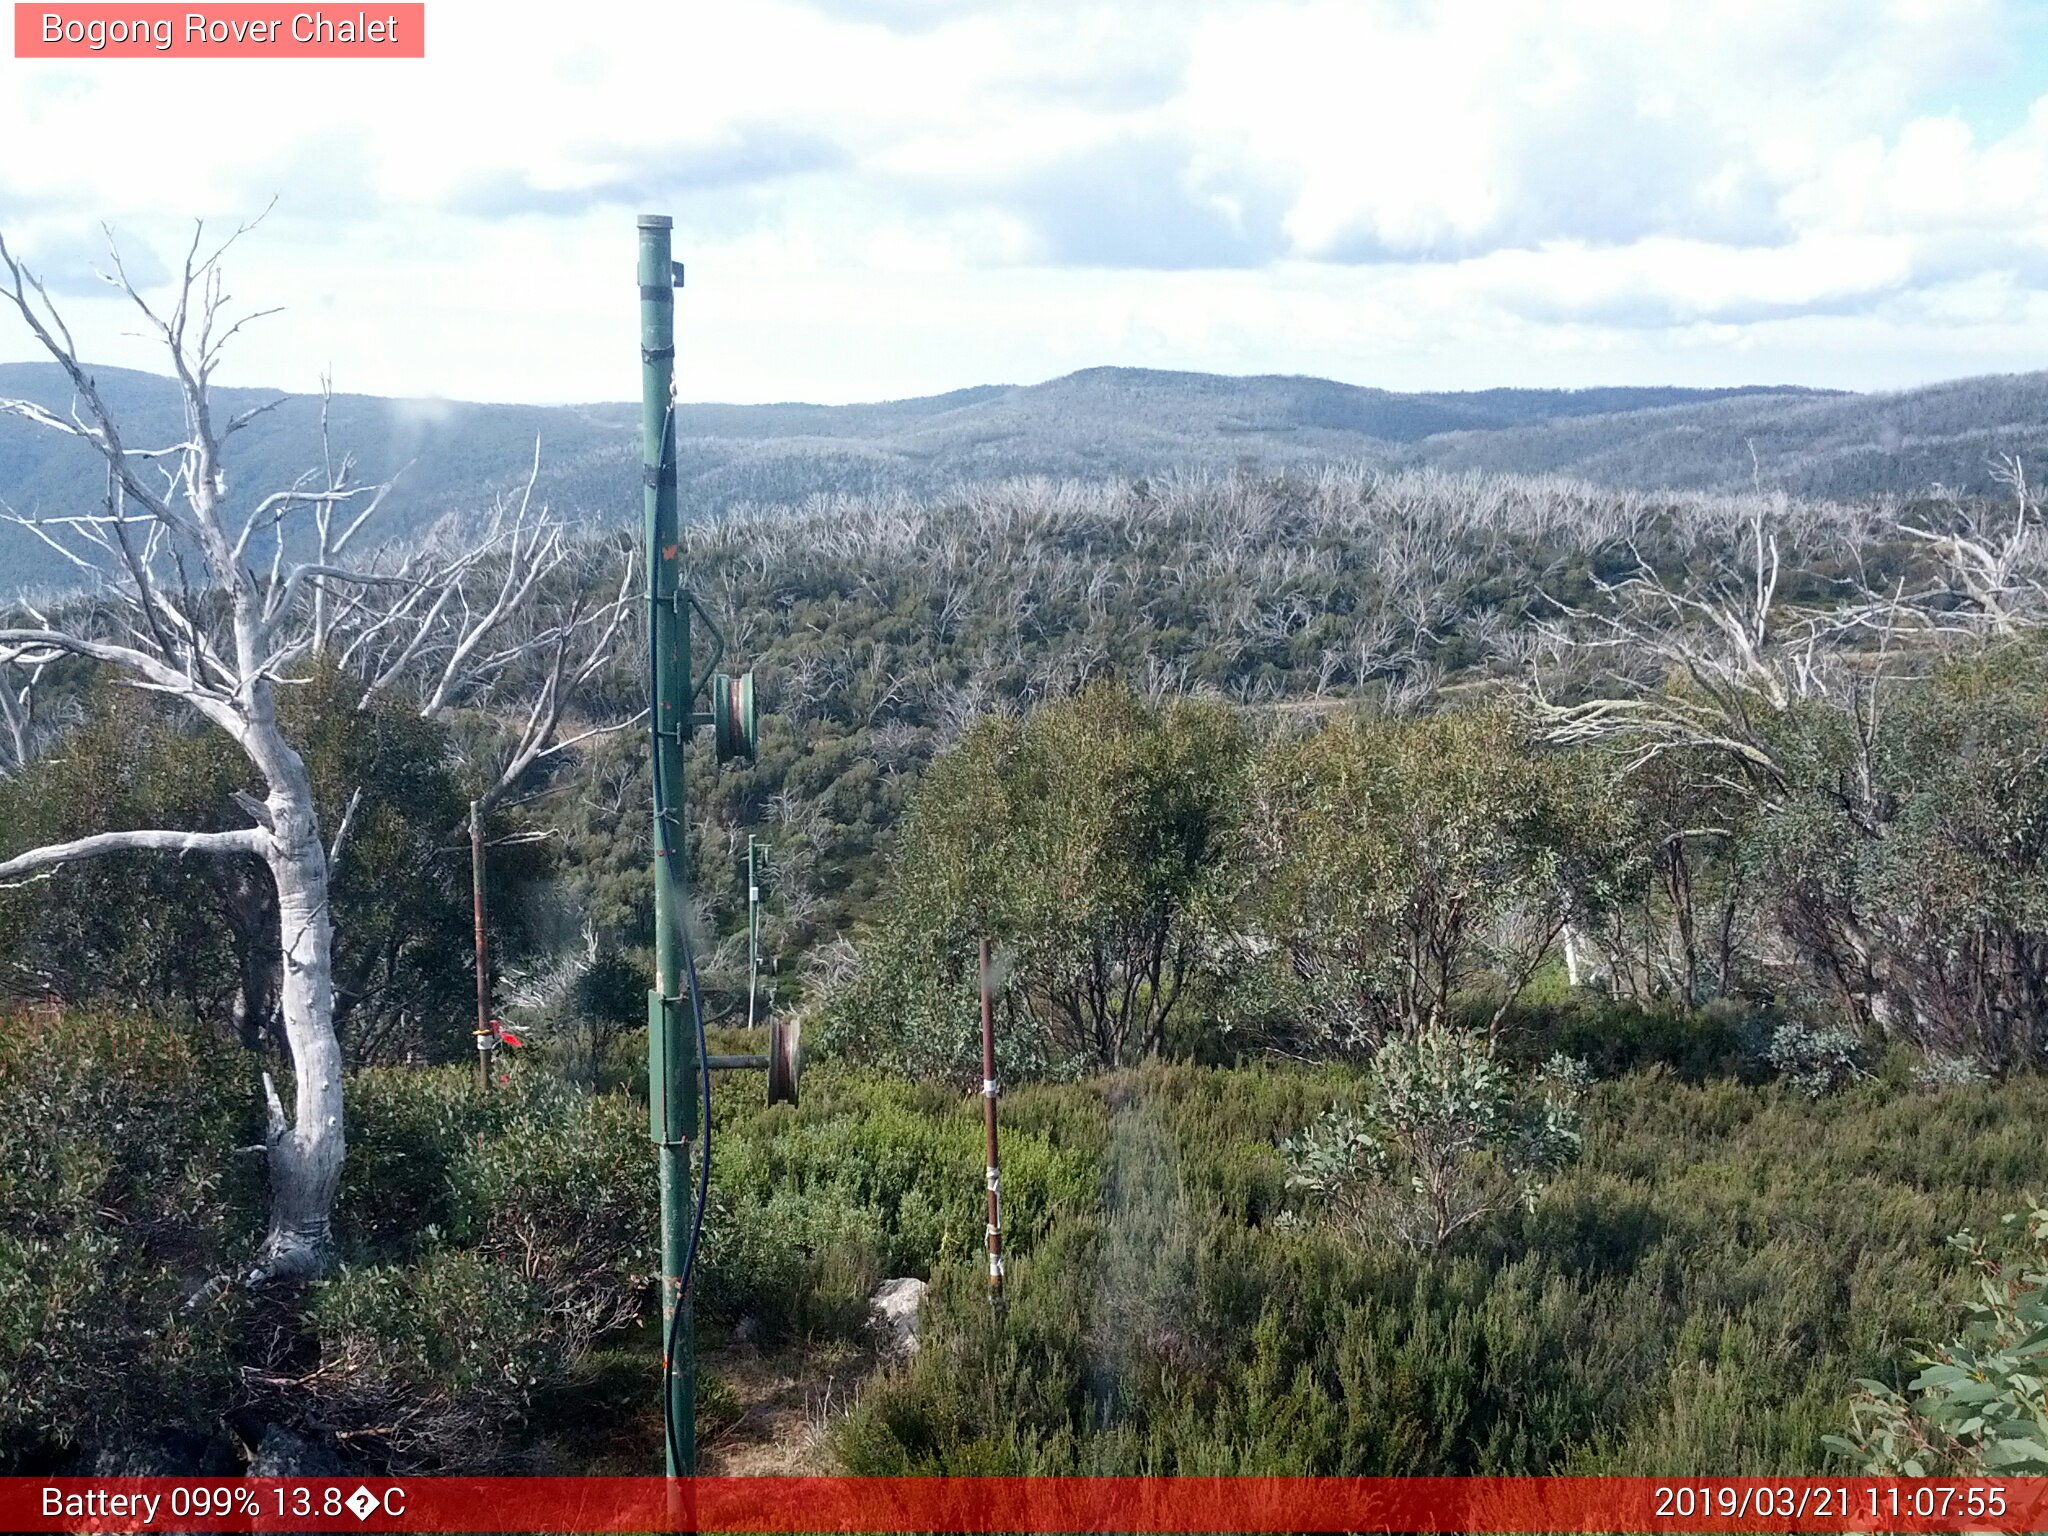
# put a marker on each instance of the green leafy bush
(1938, 1070)
(119, 1200)
(1392, 867)
(1088, 842)
(1447, 1136)
(870, 1177)
(1722, 1039)
(434, 1361)
(1977, 1406)
(1696, 1293)
(504, 1234)
(1817, 1059)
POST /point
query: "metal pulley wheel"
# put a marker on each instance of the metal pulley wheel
(735, 719)
(785, 1059)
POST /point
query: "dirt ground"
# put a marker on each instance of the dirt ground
(787, 1398)
(760, 1412)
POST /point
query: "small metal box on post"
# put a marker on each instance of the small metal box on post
(678, 1066)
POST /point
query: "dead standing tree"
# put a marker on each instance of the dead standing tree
(1768, 709)
(456, 620)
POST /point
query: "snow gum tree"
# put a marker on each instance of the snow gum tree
(215, 604)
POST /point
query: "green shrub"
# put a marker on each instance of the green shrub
(1696, 1294)
(1976, 1408)
(437, 1360)
(870, 1177)
(406, 1130)
(119, 1199)
(1817, 1059)
(1447, 1137)
(1721, 1039)
(504, 1234)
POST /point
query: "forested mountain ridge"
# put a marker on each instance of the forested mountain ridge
(1813, 445)
(1101, 423)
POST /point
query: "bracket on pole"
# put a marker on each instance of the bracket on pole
(671, 1072)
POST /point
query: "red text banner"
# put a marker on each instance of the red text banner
(1032, 1504)
(223, 31)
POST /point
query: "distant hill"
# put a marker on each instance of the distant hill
(1838, 445)
(1099, 422)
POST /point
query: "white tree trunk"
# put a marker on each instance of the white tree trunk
(306, 1149)
(223, 659)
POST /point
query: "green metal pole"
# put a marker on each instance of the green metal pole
(671, 1043)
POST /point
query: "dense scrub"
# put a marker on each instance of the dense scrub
(1697, 1294)
(882, 629)
(119, 1196)
(1699, 1291)
(489, 1242)
(1165, 879)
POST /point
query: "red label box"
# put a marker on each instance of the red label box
(367, 29)
(1840, 1506)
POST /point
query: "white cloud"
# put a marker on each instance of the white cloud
(878, 197)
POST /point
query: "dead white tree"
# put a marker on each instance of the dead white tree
(1706, 666)
(217, 609)
(21, 728)
(1993, 574)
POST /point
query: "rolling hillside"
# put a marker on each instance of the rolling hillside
(1103, 422)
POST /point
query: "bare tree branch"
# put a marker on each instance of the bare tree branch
(248, 841)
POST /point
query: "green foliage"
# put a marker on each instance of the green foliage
(119, 1199)
(437, 1360)
(1721, 1040)
(131, 927)
(869, 1177)
(1816, 1060)
(532, 1163)
(200, 935)
(403, 923)
(1395, 865)
(1671, 925)
(1908, 862)
(1696, 1294)
(1976, 1408)
(1447, 1136)
(1087, 842)
(498, 1237)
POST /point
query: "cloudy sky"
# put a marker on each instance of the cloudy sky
(878, 198)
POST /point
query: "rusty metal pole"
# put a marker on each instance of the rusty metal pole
(988, 1102)
(484, 1036)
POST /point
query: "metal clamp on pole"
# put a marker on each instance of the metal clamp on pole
(671, 1072)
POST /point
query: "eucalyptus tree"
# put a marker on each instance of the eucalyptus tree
(215, 605)
(1089, 841)
(1865, 755)
(1394, 869)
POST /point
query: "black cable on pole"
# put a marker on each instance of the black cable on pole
(662, 814)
